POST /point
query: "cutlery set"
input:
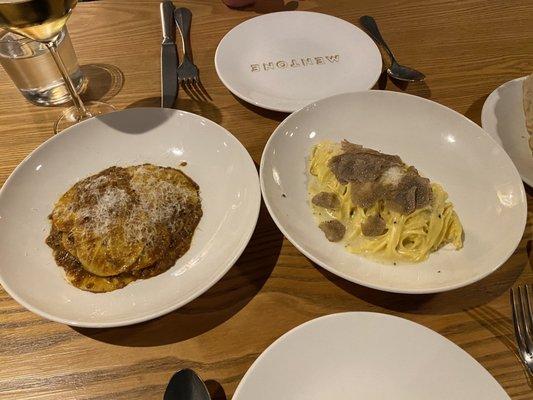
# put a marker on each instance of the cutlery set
(173, 73)
(186, 73)
(169, 56)
(186, 385)
(523, 323)
(395, 70)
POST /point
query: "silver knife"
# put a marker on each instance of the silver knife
(169, 56)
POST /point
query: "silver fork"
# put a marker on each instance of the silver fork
(523, 323)
(187, 71)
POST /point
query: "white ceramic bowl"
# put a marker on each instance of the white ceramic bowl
(366, 356)
(481, 181)
(285, 60)
(503, 118)
(216, 160)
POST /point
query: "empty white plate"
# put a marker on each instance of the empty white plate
(229, 188)
(286, 60)
(446, 147)
(503, 118)
(366, 356)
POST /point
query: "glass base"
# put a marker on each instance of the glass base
(56, 93)
(71, 115)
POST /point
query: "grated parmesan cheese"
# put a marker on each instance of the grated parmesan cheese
(154, 204)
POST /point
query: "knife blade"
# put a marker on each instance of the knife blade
(169, 56)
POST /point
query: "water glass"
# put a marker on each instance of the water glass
(33, 70)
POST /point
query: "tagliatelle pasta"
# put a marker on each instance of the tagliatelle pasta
(396, 235)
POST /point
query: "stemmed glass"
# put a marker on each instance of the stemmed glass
(42, 21)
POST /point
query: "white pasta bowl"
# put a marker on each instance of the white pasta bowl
(216, 161)
(444, 146)
(370, 356)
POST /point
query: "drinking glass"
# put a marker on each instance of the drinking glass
(33, 71)
(42, 21)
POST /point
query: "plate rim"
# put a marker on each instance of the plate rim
(436, 289)
(484, 112)
(149, 316)
(351, 314)
(267, 106)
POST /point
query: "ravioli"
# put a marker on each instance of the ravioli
(124, 224)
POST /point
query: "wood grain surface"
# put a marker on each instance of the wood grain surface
(466, 49)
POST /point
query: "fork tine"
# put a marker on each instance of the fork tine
(202, 89)
(198, 91)
(186, 88)
(518, 320)
(528, 319)
(191, 91)
(194, 95)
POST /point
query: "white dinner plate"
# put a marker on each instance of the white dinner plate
(216, 160)
(368, 356)
(503, 118)
(446, 147)
(283, 61)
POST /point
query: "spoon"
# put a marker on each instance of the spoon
(186, 385)
(395, 70)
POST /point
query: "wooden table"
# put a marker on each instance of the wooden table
(466, 48)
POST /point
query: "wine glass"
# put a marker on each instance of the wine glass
(42, 21)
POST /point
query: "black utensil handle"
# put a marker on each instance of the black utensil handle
(183, 18)
(372, 28)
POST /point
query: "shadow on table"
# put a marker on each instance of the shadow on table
(273, 115)
(419, 89)
(216, 390)
(381, 84)
(465, 298)
(269, 6)
(474, 111)
(227, 297)
(150, 102)
(203, 108)
(501, 327)
(415, 88)
(105, 81)
(134, 122)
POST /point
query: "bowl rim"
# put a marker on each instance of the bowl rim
(330, 268)
(147, 316)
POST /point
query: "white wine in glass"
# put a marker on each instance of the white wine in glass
(42, 20)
